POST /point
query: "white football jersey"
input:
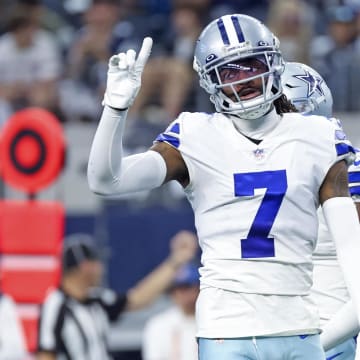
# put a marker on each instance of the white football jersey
(325, 246)
(255, 205)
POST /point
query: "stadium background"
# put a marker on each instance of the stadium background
(134, 231)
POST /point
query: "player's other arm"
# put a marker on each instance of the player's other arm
(343, 222)
(341, 327)
(344, 324)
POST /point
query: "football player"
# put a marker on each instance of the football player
(255, 175)
(307, 90)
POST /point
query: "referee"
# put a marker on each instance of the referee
(75, 318)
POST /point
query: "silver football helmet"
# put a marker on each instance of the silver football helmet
(306, 89)
(233, 45)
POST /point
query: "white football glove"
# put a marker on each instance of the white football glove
(124, 76)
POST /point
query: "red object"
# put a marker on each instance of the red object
(31, 227)
(28, 152)
(29, 319)
(32, 155)
(31, 238)
(30, 327)
(28, 278)
(32, 149)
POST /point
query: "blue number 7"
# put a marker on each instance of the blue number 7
(258, 244)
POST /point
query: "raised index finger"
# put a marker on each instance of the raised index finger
(144, 54)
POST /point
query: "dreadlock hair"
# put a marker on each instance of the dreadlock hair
(284, 105)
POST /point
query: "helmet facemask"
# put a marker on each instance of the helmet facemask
(257, 65)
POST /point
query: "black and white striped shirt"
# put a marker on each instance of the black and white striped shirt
(76, 330)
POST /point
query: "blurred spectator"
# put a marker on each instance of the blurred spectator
(292, 22)
(83, 88)
(5, 7)
(176, 324)
(335, 57)
(201, 6)
(168, 76)
(156, 6)
(167, 79)
(30, 63)
(357, 43)
(5, 111)
(75, 318)
(257, 9)
(77, 6)
(52, 20)
(133, 24)
(12, 340)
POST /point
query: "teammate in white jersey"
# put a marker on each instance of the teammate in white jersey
(307, 90)
(255, 175)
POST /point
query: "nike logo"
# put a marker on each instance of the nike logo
(334, 356)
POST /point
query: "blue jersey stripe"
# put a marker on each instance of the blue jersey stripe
(354, 190)
(354, 176)
(175, 128)
(334, 356)
(343, 148)
(238, 29)
(174, 141)
(223, 33)
(356, 162)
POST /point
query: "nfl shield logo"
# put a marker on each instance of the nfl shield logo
(259, 154)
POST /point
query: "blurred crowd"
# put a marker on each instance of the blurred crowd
(54, 53)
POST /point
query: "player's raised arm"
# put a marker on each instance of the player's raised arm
(108, 172)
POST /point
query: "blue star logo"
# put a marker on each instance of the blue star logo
(313, 83)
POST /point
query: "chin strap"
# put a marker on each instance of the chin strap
(256, 113)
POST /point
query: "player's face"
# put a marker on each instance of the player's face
(240, 71)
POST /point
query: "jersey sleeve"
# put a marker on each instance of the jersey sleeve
(354, 177)
(344, 149)
(113, 303)
(171, 135)
(189, 134)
